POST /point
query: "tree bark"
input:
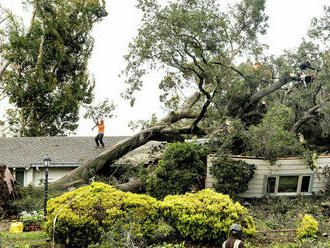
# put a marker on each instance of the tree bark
(8, 189)
(255, 98)
(134, 186)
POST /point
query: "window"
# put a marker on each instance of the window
(271, 184)
(292, 184)
(288, 184)
(305, 183)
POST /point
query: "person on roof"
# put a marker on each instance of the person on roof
(99, 136)
(234, 239)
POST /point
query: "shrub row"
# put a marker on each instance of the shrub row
(203, 217)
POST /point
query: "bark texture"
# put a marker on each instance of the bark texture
(8, 189)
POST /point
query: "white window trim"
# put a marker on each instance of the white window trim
(298, 192)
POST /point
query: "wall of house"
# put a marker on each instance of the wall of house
(284, 167)
(53, 174)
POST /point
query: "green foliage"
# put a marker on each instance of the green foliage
(119, 235)
(233, 139)
(47, 79)
(101, 111)
(308, 227)
(205, 217)
(232, 175)
(187, 38)
(30, 199)
(166, 245)
(271, 138)
(181, 168)
(81, 212)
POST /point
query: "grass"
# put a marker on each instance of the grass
(23, 240)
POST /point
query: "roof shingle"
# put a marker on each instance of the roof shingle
(24, 151)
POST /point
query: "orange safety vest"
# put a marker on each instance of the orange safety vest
(101, 128)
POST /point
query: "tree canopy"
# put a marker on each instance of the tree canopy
(240, 96)
(44, 72)
(215, 51)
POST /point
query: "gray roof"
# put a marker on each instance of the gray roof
(25, 151)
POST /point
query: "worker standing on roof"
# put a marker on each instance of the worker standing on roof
(99, 136)
(234, 239)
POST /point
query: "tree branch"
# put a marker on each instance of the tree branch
(232, 68)
(308, 115)
(260, 94)
(184, 112)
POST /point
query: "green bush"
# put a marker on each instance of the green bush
(232, 175)
(30, 199)
(308, 227)
(205, 217)
(165, 245)
(119, 235)
(181, 169)
(80, 214)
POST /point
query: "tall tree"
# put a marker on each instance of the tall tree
(44, 73)
(200, 45)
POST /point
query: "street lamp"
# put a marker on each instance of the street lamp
(47, 161)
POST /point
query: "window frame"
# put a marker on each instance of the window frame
(299, 184)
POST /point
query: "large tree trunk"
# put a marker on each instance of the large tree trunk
(105, 159)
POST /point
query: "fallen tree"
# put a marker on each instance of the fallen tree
(202, 55)
(165, 131)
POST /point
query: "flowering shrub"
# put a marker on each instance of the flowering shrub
(308, 227)
(81, 212)
(205, 216)
(32, 217)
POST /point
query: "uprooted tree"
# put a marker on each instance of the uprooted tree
(198, 46)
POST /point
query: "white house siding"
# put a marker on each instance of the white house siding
(53, 174)
(283, 167)
(28, 177)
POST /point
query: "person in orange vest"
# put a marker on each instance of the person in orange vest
(99, 136)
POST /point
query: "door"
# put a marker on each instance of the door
(20, 177)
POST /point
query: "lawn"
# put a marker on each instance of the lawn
(24, 240)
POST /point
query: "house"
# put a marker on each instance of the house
(287, 177)
(24, 155)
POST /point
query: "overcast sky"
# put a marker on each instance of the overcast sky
(288, 23)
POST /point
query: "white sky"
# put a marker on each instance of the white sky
(288, 23)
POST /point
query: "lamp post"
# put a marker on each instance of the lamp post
(47, 161)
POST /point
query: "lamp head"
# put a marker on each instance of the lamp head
(47, 160)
